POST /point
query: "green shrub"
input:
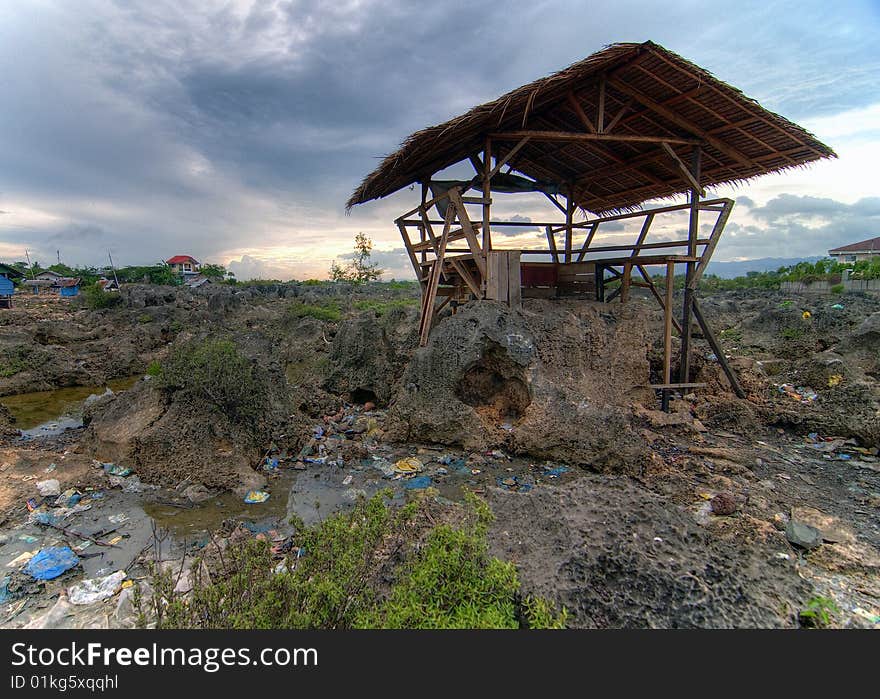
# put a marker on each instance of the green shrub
(440, 577)
(96, 298)
(154, 368)
(837, 289)
(144, 318)
(214, 372)
(819, 613)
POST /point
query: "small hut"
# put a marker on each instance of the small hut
(629, 124)
(8, 276)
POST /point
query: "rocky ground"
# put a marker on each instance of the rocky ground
(721, 513)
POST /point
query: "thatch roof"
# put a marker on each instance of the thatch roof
(661, 93)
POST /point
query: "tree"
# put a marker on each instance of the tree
(360, 270)
(213, 271)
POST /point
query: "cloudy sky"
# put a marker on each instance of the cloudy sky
(236, 130)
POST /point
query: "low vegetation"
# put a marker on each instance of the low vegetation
(214, 372)
(372, 567)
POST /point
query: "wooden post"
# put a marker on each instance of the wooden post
(625, 282)
(667, 335)
(487, 196)
(693, 232)
(569, 217)
(716, 348)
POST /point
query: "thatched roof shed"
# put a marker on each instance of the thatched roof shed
(641, 100)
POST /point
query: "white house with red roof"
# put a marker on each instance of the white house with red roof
(184, 264)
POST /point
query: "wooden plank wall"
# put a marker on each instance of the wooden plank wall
(503, 280)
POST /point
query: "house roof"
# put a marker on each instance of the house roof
(181, 259)
(649, 91)
(10, 271)
(870, 245)
(46, 273)
(67, 282)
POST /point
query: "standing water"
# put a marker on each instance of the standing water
(36, 412)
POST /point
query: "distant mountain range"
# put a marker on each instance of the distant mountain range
(729, 270)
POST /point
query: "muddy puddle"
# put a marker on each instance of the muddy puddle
(45, 413)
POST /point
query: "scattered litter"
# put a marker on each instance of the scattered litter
(97, 589)
(49, 488)
(20, 560)
(347, 480)
(32, 504)
(834, 380)
(801, 393)
(5, 596)
(712, 357)
(513, 483)
(418, 483)
(68, 498)
(27, 538)
(270, 464)
(51, 562)
(121, 518)
(555, 471)
(256, 496)
(408, 465)
(116, 470)
(50, 468)
(837, 306)
(442, 471)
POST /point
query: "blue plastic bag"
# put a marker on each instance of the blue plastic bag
(418, 483)
(51, 562)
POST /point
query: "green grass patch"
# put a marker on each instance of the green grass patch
(380, 308)
(328, 312)
(371, 567)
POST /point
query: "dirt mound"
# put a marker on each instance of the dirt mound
(619, 556)
(207, 418)
(554, 380)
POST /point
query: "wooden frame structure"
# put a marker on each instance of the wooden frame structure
(630, 123)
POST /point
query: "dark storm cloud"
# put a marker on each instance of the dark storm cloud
(158, 127)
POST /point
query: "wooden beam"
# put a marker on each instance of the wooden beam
(716, 348)
(512, 152)
(667, 331)
(468, 230)
(617, 117)
(487, 196)
(714, 237)
(683, 168)
(586, 245)
(600, 119)
(576, 136)
(693, 232)
(569, 216)
(582, 115)
(407, 243)
(553, 201)
(434, 277)
(678, 120)
(551, 239)
(467, 277)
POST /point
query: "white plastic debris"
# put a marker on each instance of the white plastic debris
(97, 589)
(49, 488)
